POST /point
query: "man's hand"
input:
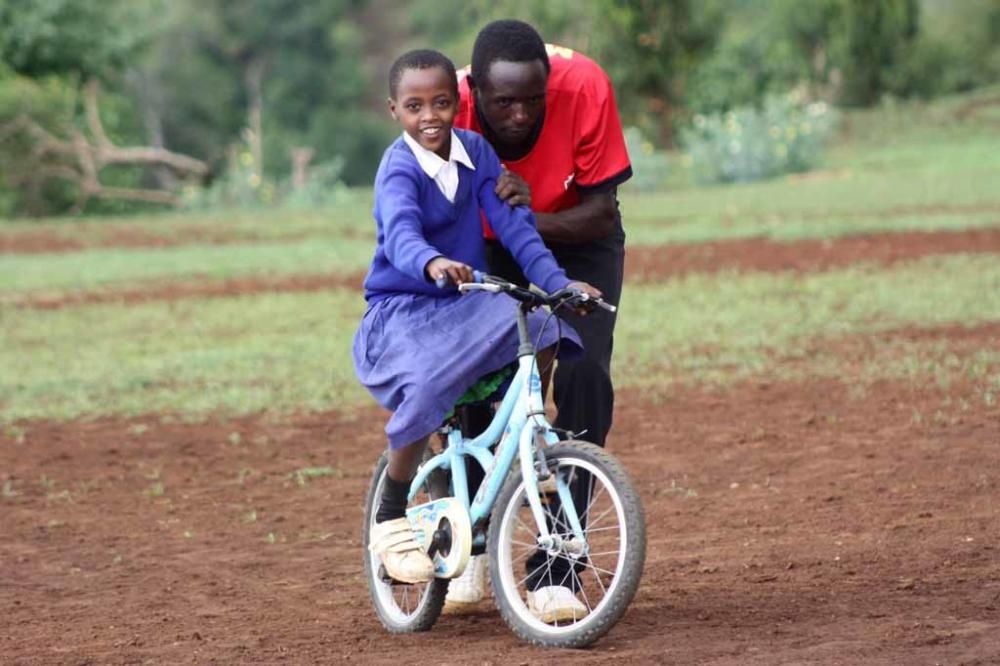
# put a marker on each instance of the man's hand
(588, 289)
(512, 189)
(455, 271)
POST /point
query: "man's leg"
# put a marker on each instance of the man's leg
(583, 391)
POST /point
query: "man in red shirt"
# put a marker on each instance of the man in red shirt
(551, 116)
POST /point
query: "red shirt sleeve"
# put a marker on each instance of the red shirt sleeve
(600, 154)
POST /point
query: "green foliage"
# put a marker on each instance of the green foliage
(750, 62)
(651, 50)
(70, 38)
(877, 36)
(298, 61)
(649, 165)
(50, 104)
(748, 143)
(190, 75)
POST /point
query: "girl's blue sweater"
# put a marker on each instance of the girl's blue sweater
(416, 223)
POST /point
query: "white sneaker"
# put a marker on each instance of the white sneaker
(395, 544)
(555, 603)
(469, 588)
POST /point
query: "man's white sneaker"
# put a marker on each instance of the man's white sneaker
(393, 541)
(469, 588)
(555, 603)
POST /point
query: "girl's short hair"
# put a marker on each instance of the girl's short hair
(421, 59)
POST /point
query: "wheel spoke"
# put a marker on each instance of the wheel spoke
(603, 513)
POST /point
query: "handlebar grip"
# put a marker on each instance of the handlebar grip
(445, 281)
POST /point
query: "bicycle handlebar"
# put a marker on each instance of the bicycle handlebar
(494, 284)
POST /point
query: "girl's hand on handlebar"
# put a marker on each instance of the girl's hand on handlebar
(444, 269)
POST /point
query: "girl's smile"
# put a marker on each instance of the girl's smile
(425, 105)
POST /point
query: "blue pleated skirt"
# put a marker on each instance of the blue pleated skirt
(417, 354)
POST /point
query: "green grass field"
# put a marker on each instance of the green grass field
(905, 169)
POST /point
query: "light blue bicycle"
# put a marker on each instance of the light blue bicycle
(543, 501)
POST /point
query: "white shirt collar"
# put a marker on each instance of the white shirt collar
(431, 162)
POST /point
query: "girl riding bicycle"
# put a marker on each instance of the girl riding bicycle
(420, 347)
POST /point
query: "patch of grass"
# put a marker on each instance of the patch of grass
(269, 352)
(122, 266)
(353, 217)
(291, 352)
(717, 328)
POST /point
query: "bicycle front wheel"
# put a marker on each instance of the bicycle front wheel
(401, 608)
(601, 574)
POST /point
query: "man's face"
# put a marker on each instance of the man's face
(512, 98)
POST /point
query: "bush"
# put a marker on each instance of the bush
(649, 166)
(750, 143)
(242, 186)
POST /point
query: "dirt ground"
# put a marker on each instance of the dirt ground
(787, 524)
(805, 523)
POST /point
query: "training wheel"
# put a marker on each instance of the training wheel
(442, 528)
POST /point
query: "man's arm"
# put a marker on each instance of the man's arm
(591, 219)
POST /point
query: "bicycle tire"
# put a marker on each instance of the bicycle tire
(431, 600)
(628, 509)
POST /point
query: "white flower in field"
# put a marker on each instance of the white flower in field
(699, 121)
(817, 108)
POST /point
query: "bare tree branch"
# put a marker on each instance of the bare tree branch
(88, 156)
(93, 113)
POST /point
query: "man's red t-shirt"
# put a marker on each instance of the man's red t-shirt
(581, 143)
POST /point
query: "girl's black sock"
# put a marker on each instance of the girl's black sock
(393, 502)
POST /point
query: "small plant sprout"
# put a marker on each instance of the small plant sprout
(303, 475)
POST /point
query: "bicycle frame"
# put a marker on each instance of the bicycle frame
(518, 423)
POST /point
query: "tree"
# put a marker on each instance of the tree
(70, 38)
(281, 73)
(52, 55)
(877, 34)
(651, 48)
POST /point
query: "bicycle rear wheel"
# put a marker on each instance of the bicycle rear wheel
(401, 608)
(604, 575)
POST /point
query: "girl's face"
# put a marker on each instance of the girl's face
(425, 105)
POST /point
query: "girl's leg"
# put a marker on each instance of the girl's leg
(392, 538)
(403, 463)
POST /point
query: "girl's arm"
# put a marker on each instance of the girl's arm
(515, 227)
(406, 248)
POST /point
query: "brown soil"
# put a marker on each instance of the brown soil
(643, 264)
(787, 524)
(652, 264)
(177, 290)
(124, 235)
(113, 235)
